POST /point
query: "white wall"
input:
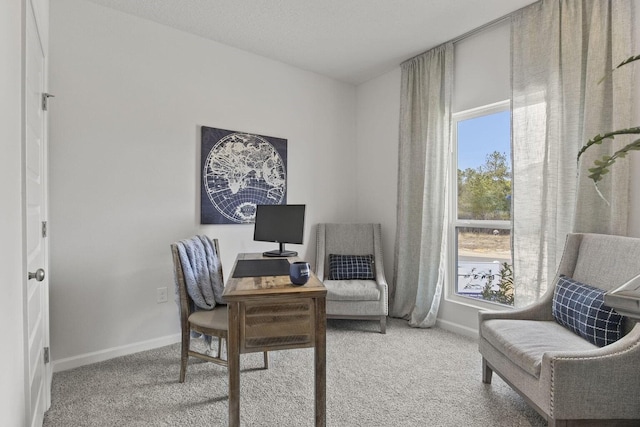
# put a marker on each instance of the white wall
(377, 152)
(482, 73)
(12, 397)
(458, 317)
(130, 98)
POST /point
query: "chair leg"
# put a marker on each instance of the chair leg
(184, 354)
(266, 360)
(383, 324)
(226, 345)
(487, 372)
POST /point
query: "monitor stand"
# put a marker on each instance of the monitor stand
(281, 252)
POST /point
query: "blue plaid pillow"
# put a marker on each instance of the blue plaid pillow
(581, 308)
(346, 267)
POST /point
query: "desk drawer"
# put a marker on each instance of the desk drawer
(277, 325)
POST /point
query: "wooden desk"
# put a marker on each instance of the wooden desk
(269, 313)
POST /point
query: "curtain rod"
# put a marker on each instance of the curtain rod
(474, 31)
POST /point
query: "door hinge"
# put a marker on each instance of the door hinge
(46, 355)
(44, 228)
(45, 100)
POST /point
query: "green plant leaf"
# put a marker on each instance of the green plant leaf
(606, 162)
(609, 135)
(628, 60)
(625, 62)
(602, 166)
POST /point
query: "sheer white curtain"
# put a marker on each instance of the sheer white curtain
(560, 49)
(423, 169)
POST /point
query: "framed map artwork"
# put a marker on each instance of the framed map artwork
(239, 171)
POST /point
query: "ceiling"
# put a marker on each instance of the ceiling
(349, 40)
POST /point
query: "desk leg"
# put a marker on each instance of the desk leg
(320, 362)
(233, 357)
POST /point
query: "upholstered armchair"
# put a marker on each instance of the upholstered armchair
(567, 378)
(349, 262)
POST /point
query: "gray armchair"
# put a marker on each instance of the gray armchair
(353, 298)
(566, 378)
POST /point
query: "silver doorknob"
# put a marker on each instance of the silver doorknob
(38, 275)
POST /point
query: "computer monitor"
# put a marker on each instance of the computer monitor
(281, 224)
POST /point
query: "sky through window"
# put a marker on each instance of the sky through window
(483, 135)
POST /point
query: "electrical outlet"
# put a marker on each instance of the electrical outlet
(161, 295)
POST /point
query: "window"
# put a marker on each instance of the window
(481, 201)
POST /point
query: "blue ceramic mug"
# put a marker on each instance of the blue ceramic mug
(299, 272)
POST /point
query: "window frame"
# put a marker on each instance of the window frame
(454, 222)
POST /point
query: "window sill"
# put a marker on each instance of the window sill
(476, 303)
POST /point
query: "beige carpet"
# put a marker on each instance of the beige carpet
(408, 377)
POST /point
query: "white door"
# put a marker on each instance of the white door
(36, 309)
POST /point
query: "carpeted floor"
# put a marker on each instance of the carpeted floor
(408, 377)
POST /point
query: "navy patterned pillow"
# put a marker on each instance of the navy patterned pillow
(346, 267)
(581, 308)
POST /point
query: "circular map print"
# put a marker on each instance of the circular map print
(241, 171)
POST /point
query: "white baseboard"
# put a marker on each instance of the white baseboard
(110, 353)
(458, 329)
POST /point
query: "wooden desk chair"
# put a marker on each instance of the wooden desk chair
(214, 323)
